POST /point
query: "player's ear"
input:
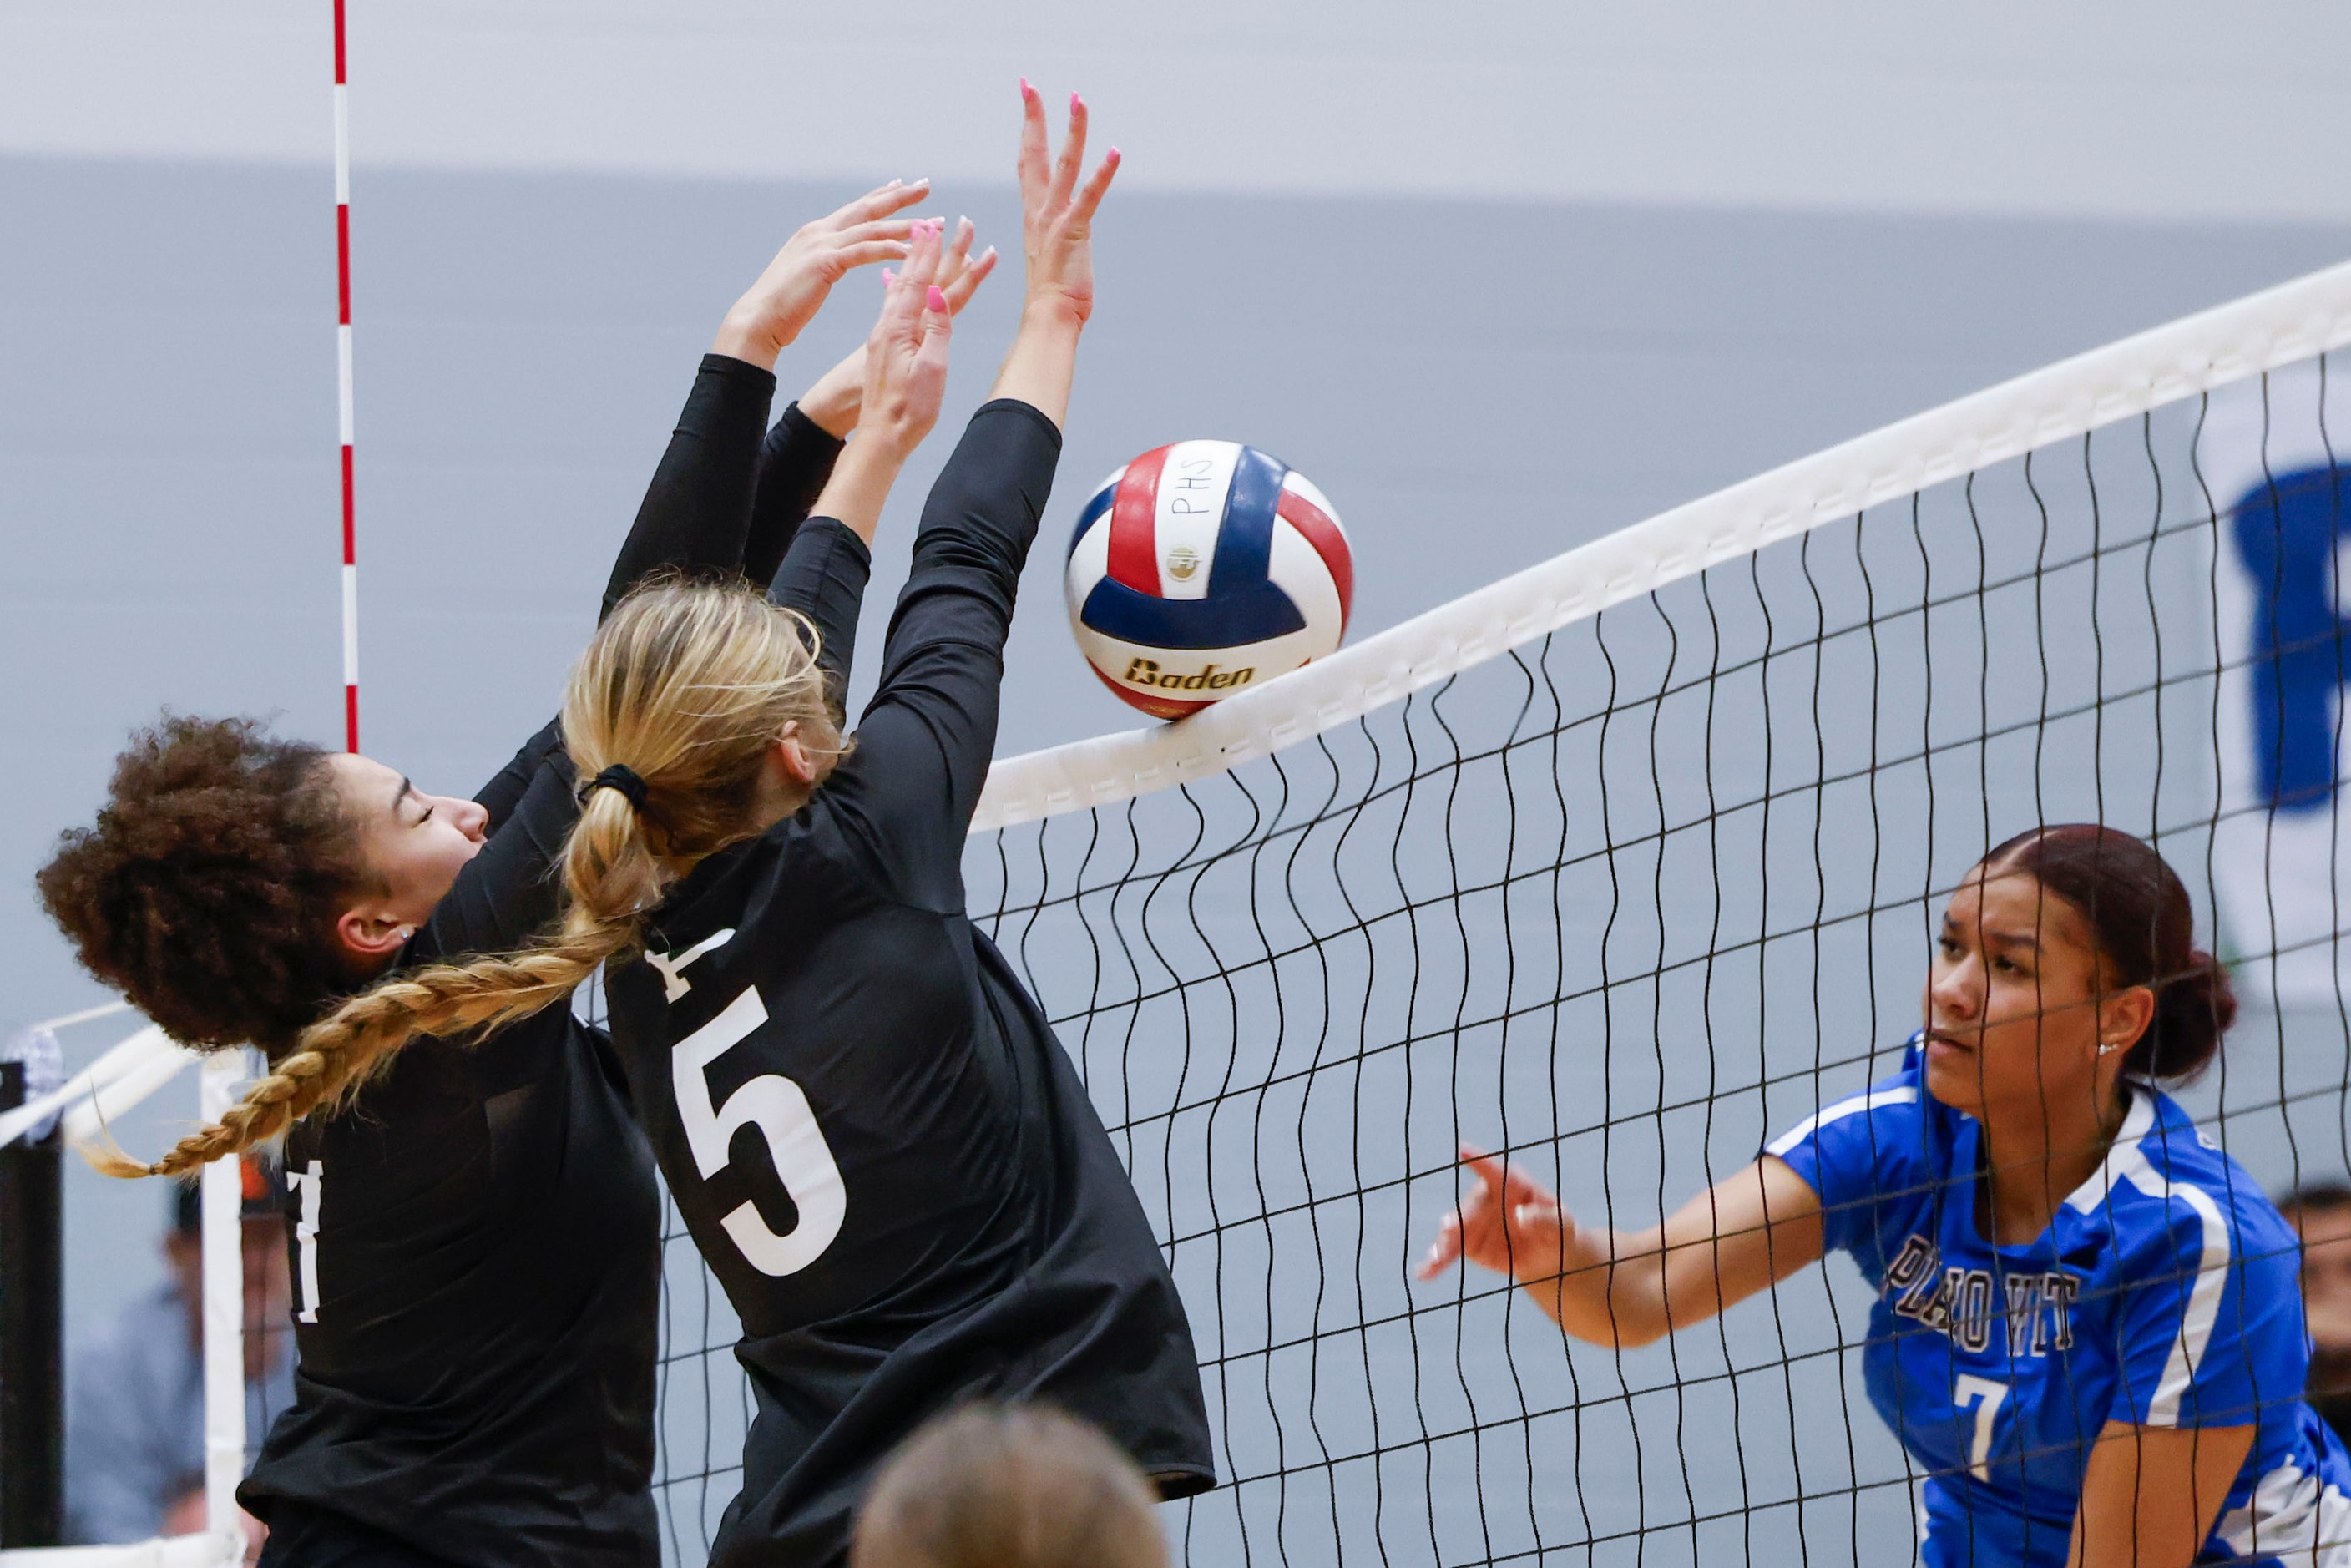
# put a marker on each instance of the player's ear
(2124, 1016)
(791, 759)
(369, 934)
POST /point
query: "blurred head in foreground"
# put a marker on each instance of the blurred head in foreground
(1008, 1486)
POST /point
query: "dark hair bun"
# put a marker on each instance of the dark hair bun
(2193, 1009)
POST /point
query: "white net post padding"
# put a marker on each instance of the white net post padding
(123, 1076)
(210, 1550)
(224, 1273)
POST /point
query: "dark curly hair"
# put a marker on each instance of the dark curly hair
(2138, 912)
(207, 890)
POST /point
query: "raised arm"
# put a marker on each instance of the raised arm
(698, 513)
(823, 576)
(1631, 1287)
(695, 518)
(925, 740)
(1057, 226)
(797, 462)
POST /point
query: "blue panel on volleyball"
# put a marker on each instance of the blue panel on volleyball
(1224, 619)
(1245, 540)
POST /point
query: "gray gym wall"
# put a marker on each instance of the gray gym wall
(1499, 282)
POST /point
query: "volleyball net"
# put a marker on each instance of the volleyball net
(1624, 865)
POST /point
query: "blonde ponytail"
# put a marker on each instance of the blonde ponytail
(687, 688)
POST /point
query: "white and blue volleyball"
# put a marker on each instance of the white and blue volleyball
(1204, 569)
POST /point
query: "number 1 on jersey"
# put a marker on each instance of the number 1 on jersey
(777, 1107)
(310, 1184)
(1985, 1396)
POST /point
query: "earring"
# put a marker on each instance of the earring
(405, 932)
(2108, 1047)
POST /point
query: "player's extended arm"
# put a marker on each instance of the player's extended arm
(1056, 220)
(695, 518)
(823, 576)
(1630, 1288)
(697, 513)
(2150, 1494)
(798, 460)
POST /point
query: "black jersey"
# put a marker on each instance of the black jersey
(881, 1149)
(475, 1240)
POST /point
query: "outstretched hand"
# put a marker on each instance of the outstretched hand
(773, 310)
(905, 381)
(1057, 230)
(906, 355)
(834, 403)
(1509, 1222)
(1057, 214)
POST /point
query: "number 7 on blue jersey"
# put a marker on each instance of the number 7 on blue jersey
(1985, 1396)
(777, 1107)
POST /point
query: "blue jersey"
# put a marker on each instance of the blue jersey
(2164, 1293)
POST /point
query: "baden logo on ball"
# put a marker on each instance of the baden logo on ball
(1204, 569)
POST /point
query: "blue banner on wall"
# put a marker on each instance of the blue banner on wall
(2281, 866)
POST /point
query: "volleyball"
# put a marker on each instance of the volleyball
(1204, 569)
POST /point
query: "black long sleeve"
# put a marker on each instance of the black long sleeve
(823, 576)
(504, 793)
(795, 462)
(696, 516)
(924, 742)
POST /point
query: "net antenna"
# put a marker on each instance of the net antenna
(343, 388)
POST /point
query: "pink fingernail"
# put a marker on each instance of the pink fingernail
(937, 299)
(1026, 90)
(1114, 154)
(1076, 103)
(889, 279)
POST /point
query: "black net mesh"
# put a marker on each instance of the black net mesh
(1626, 903)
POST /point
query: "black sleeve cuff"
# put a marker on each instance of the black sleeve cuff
(1014, 406)
(729, 367)
(798, 428)
(844, 538)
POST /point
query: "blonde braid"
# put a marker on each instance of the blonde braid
(693, 685)
(334, 1056)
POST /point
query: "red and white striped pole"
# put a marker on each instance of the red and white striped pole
(343, 388)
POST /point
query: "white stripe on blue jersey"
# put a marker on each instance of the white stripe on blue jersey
(1904, 1095)
(2126, 1164)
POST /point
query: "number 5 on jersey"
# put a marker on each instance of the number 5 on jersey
(776, 1107)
